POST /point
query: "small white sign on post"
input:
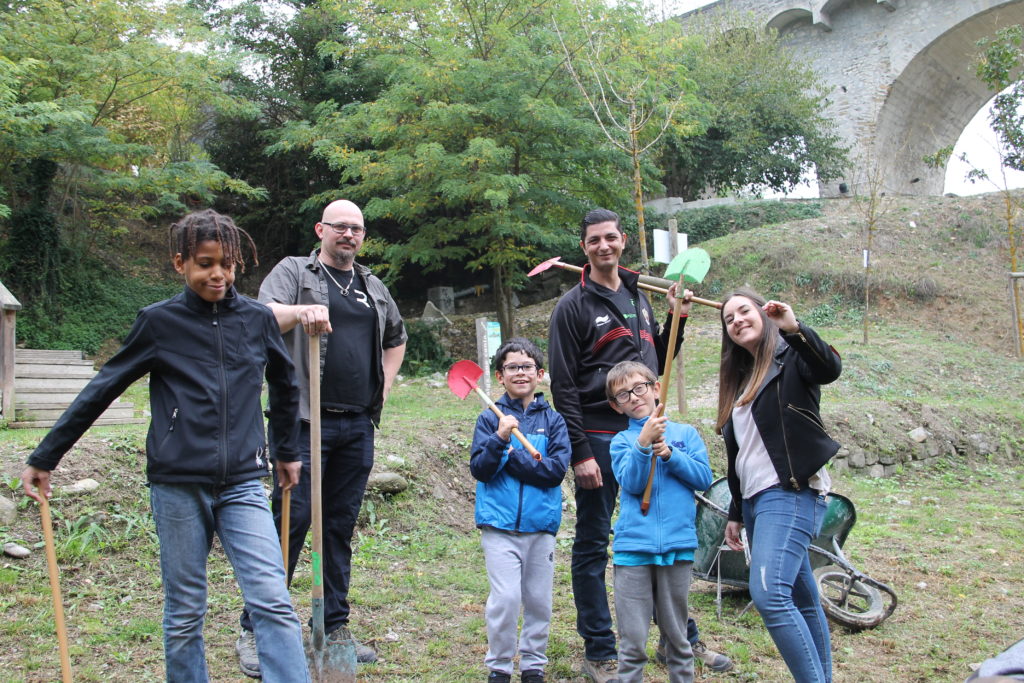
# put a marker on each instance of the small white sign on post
(663, 245)
(488, 339)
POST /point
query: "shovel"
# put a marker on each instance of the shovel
(690, 266)
(58, 603)
(462, 379)
(651, 284)
(328, 662)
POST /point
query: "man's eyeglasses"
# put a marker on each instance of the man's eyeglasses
(340, 228)
(637, 390)
(516, 368)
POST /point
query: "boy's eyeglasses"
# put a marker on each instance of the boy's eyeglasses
(340, 228)
(637, 390)
(516, 368)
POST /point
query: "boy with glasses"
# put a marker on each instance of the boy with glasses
(653, 549)
(518, 511)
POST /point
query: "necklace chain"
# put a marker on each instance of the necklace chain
(343, 290)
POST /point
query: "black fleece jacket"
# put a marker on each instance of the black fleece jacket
(588, 336)
(206, 362)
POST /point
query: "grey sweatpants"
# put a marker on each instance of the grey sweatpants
(521, 568)
(637, 591)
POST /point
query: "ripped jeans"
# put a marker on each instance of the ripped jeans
(780, 526)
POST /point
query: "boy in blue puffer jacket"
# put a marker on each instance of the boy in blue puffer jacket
(518, 511)
(653, 551)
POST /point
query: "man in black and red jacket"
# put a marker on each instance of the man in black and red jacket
(602, 321)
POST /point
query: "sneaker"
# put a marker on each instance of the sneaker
(602, 672)
(499, 677)
(248, 660)
(715, 661)
(364, 653)
(532, 676)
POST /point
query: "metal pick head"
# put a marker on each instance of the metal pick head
(544, 266)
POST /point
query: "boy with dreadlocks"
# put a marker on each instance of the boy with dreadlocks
(207, 351)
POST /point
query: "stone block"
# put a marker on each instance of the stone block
(876, 471)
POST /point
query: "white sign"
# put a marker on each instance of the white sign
(662, 242)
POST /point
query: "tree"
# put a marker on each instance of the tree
(475, 149)
(761, 117)
(999, 67)
(103, 98)
(625, 65)
(286, 75)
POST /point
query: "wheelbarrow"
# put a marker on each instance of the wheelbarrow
(848, 596)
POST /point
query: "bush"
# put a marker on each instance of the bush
(424, 353)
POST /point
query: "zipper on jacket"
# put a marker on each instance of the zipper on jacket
(174, 416)
(810, 416)
(800, 333)
(223, 442)
(785, 441)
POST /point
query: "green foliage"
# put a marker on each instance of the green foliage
(761, 117)
(97, 303)
(475, 150)
(424, 353)
(999, 68)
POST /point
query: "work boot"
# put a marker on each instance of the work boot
(532, 676)
(364, 653)
(715, 661)
(248, 660)
(602, 672)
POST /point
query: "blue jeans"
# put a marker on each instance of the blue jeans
(346, 459)
(187, 516)
(780, 526)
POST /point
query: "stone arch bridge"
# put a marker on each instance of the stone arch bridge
(901, 74)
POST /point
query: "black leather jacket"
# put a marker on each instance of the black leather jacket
(206, 363)
(786, 412)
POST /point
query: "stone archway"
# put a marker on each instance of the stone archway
(901, 73)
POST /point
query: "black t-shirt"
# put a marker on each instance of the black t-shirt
(624, 300)
(351, 378)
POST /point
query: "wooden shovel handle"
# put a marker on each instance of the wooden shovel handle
(58, 602)
(286, 525)
(530, 448)
(645, 503)
(649, 287)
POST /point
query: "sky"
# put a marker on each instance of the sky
(978, 140)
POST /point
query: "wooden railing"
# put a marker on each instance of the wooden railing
(10, 306)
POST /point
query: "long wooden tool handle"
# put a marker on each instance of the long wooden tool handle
(650, 287)
(645, 503)
(286, 526)
(530, 448)
(316, 503)
(58, 602)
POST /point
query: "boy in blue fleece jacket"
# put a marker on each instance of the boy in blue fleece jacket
(654, 551)
(518, 511)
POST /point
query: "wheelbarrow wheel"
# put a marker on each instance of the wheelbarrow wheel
(847, 601)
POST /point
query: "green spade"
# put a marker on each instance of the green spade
(690, 266)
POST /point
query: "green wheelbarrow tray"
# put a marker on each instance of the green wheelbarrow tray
(848, 596)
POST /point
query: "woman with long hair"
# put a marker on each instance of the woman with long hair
(769, 390)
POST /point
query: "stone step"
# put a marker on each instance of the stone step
(35, 384)
(30, 362)
(33, 396)
(42, 424)
(35, 414)
(44, 370)
(53, 354)
(58, 404)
